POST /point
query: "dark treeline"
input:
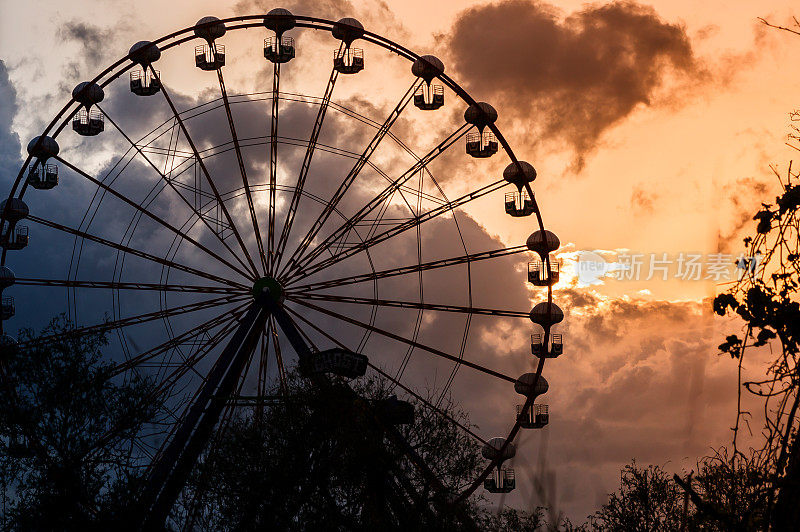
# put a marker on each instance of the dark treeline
(71, 454)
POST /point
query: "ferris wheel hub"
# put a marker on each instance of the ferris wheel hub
(270, 287)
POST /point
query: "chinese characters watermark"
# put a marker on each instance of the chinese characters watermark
(631, 266)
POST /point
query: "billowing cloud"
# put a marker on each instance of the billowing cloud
(9, 140)
(572, 77)
(96, 45)
(744, 196)
(93, 39)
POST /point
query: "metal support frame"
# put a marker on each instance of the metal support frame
(173, 465)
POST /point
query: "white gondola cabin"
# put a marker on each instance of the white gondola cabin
(502, 478)
(88, 123)
(519, 204)
(43, 176)
(429, 97)
(143, 83)
(209, 57)
(6, 307)
(481, 145)
(500, 481)
(15, 238)
(535, 417)
(538, 273)
(348, 60)
(279, 50)
(538, 348)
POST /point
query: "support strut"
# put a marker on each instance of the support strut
(173, 465)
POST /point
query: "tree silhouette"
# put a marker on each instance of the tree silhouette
(766, 298)
(65, 430)
(317, 460)
(722, 495)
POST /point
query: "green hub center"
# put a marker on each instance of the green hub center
(269, 286)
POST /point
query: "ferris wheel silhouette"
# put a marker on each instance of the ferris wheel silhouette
(258, 270)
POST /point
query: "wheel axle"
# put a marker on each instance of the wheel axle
(270, 287)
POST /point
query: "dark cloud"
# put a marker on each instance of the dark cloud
(744, 197)
(9, 140)
(95, 42)
(570, 78)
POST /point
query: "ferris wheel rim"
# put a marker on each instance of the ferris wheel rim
(318, 24)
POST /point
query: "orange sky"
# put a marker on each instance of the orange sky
(640, 377)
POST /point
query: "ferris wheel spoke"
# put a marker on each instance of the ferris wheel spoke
(203, 328)
(189, 364)
(396, 230)
(273, 163)
(205, 172)
(144, 318)
(389, 377)
(378, 221)
(406, 270)
(298, 253)
(276, 347)
(242, 169)
(174, 185)
(152, 216)
(423, 347)
(304, 168)
(414, 268)
(263, 365)
(133, 251)
(387, 193)
(112, 285)
(408, 304)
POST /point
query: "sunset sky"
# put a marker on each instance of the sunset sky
(652, 127)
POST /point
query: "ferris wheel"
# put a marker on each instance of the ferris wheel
(220, 257)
